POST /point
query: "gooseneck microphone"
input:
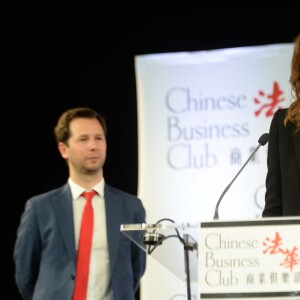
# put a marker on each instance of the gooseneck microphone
(261, 142)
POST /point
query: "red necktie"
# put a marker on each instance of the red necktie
(84, 248)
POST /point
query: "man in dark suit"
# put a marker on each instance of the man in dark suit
(283, 176)
(46, 248)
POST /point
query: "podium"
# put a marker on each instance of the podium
(173, 245)
(249, 259)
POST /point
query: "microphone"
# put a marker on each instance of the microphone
(261, 142)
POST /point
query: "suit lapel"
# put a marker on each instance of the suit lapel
(296, 143)
(62, 202)
(113, 207)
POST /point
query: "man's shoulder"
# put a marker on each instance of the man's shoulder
(51, 193)
(108, 189)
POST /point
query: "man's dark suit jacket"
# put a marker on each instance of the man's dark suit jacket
(45, 255)
(283, 177)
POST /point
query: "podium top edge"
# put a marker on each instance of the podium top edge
(218, 223)
(162, 225)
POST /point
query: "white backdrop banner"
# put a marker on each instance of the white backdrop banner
(200, 115)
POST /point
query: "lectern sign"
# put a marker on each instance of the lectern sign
(249, 259)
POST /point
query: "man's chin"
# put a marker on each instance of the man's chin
(93, 170)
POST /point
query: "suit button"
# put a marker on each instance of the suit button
(72, 276)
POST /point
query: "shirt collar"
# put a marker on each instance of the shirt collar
(77, 190)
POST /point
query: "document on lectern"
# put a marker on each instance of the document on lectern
(255, 259)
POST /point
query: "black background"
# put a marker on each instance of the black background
(59, 55)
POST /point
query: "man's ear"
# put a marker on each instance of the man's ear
(63, 149)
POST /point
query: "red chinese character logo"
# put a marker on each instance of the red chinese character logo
(274, 246)
(272, 99)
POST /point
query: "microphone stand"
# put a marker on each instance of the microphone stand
(216, 215)
(187, 248)
(156, 239)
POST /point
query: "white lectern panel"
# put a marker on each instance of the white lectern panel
(249, 259)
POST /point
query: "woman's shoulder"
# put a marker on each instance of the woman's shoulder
(281, 111)
(280, 114)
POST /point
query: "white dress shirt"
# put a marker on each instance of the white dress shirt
(99, 282)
